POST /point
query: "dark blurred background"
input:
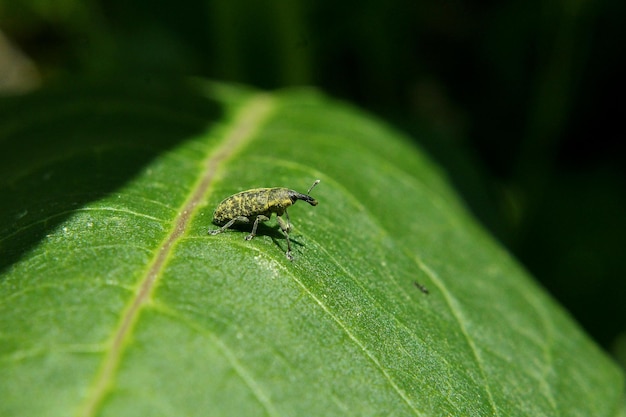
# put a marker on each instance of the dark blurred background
(521, 102)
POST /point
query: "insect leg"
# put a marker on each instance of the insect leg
(285, 228)
(240, 219)
(259, 218)
(288, 221)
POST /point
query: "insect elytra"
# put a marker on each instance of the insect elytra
(257, 205)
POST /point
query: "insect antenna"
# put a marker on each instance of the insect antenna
(311, 187)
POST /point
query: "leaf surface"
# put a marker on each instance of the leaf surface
(114, 300)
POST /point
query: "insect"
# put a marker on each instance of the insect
(257, 205)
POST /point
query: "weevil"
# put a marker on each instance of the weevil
(257, 205)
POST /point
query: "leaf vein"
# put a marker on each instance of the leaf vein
(237, 366)
(347, 331)
(249, 117)
(455, 310)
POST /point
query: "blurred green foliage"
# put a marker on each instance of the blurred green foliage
(515, 100)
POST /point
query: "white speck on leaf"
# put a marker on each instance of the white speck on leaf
(267, 264)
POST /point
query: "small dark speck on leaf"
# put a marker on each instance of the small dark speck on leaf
(421, 287)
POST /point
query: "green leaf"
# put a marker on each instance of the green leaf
(114, 300)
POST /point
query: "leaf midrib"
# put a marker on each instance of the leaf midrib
(248, 119)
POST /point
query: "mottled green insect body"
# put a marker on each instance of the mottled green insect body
(258, 201)
(257, 205)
